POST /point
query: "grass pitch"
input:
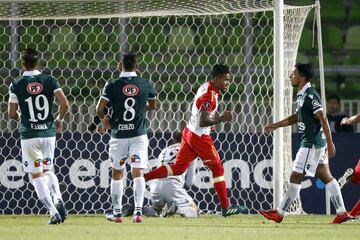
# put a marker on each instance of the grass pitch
(207, 227)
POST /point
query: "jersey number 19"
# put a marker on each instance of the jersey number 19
(41, 107)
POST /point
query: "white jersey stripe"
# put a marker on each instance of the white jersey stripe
(194, 122)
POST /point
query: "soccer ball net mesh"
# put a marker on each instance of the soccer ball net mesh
(177, 42)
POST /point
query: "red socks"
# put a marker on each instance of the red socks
(220, 188)
(356, 176)
(160, 172)
(356, 210)
(163, 171)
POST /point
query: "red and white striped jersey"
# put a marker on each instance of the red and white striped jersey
(206, 99)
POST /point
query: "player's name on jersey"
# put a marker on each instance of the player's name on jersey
(126, 127)
(39, 126)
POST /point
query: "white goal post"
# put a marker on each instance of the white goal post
(177, 43)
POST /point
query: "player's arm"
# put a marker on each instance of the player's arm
(283, 123)
(100, 111)
(63, 108)
(190, 174)
(351, 120)
(207, 120)
(151, 105)
(326, 129)
(105, 98)
(63, 104)
(13, 111)
(13, 104)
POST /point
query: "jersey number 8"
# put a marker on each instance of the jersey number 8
(129, 108)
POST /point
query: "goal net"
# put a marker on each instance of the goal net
(178, 42)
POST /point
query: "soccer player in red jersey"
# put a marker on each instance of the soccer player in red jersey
(196, 140)
(351, 175)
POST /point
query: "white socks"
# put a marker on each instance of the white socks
(43, 194)
(291, 194)
(116, 191)
(139, 189)
(335, 196)
(53, 184)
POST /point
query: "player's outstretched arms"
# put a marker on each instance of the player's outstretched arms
(270, 128)
(207, 120)
(326, 129)
(350, 120)
(283, 123)
(63, 109)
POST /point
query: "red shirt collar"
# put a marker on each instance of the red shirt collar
(212, 88)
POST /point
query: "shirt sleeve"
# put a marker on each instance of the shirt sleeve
(314, 103)
(12, 95)
(206, 102)
(106, 93)
(152, 93)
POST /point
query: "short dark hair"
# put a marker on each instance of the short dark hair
(306, 70)
(333, 96)
(30, 58)
(219, 69)
(129, 61)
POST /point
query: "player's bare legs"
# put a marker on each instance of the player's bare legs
(139, 189)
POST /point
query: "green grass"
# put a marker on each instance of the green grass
(207, 227)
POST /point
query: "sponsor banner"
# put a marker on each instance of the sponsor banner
(83, 165)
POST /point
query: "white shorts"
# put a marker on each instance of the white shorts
(38, 154)
(308, 159)
(169, 190)
(135, 149)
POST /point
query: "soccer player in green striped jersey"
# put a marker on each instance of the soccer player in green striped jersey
(34, 94)
(315, 147)
(130, 96)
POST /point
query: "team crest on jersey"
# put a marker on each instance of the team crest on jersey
(46, 161)
(123, 160)
(207, 105)
(37, 163)
(315, 103)
(130, 90)
(135, 158)
(34, 88)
